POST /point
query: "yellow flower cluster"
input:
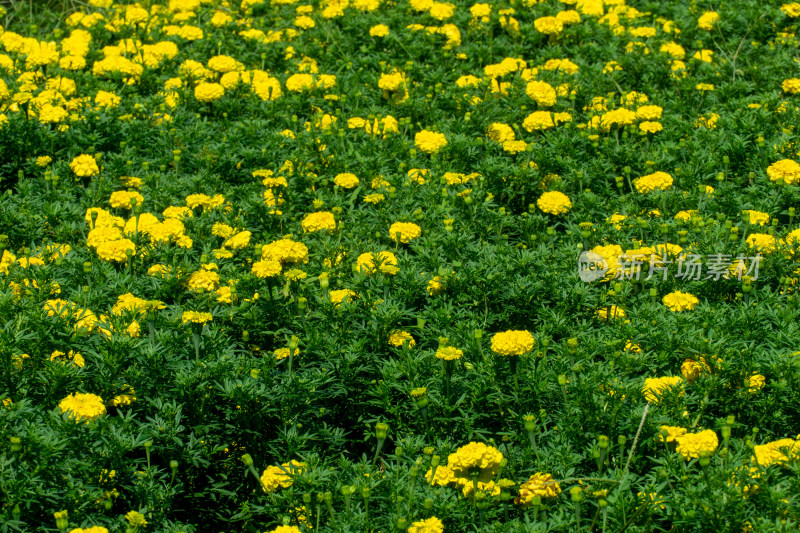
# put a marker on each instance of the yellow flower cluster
(431, 525)
(786, 170)
(346, 180)
(539, 484)
(695, 445)
(384, 262)
(285, 251)
(449, 353)
(399, 337)
(512, 342)
(776, 452)
(84, 166)
(554, 203)
(195, 317)
(680, 301)
(655, 388)
(656, 181)
(406, 231)
(281, 477)
(320, 221)
(82, 406)
(430, 142)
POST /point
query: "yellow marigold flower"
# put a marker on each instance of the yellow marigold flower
(449, 353)
(223, 64)
(283, 353)
(84, 166)
(541, 92)
(125, 199)
(50, 114)
(554, 203)
(691, 369)
(611, 312)
(43, 161)
(442, 477)
(429, 142)
(102, 234)
(704, 87)
(135, 519)
(285, 529)
(649, 112)
(755, 382)
(208, 92)
(756, 217)
(706, 56)
(346, 180)
(285, 251)
(654, 388)
(500, 132)
(204, 279)
(568, 17)
(204, 200)
(776, 452)
(177, 212)
(106, 99)
(116, 251)
(548, 25)
(374, 198)
(791, 10)
(82, 406)
(786, 170)
(406, 231)
(295, 274)
(322, 220)
(220, 229)
(72, 357)
(791, 86)
(442, 10)
(472, 457)
(436, 285)
(266, 269)
(238, 241)
(393, 81)
(709, 122)
(538, 484)
(300, 82)
(680, 301)
(468, 81)
(385, 262)
(707, 20)
(650, 127)
(431, 525)
(195, 317)
(515, 147)
(695, 445)
(763, 242)
(512, 342)
(379, 30)
(398, 337)
(657, 180)
(538, 121)
(342, 295)
(672, 433)
(281, 477)
(617, 117)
